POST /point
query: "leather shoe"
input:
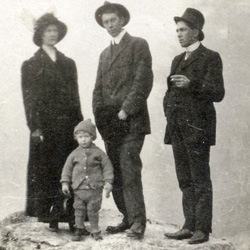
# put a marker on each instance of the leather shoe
(136, 231)
(199, 237)
(84, 232)
(180, 235)
(77, 235)
(117, 229)
(79, 232)
(97, 236)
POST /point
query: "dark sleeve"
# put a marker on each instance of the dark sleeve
(143, 79)
(211, 85)
(77, 103)
(108, 174)
(97, 101)
(165, 99)
(29, 95)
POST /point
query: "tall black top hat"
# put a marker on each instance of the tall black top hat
(194, 18)
(112, 7)
(43, 22)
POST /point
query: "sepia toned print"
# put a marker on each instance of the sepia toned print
(225, 32)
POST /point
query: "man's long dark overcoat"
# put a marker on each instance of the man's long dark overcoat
(51, 100)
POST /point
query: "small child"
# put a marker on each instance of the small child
(87, 170)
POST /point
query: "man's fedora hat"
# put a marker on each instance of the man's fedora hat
(43, 22)
(112, 7)
(194, 18)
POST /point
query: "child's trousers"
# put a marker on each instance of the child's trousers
(87, 202)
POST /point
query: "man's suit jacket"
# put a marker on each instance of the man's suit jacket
(124, 81)
(204, 70)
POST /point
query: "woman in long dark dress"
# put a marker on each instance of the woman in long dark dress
(52, 107)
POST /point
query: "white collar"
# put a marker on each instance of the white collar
(193, 46)
(117, 39)
(51, 52)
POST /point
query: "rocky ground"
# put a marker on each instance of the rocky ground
(19, 232)
(241, 240)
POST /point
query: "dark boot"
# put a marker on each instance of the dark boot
(136, 231)
(53, 226)
(117, 229)
(199, 237)
(180, 235)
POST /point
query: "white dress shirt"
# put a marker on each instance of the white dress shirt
(191, 48)
(117, 39)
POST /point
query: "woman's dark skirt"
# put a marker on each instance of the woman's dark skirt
(45, 199)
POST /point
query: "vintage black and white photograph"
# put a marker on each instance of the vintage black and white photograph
(125, 125)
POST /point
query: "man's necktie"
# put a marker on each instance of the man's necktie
(114, 49)
(187, 55)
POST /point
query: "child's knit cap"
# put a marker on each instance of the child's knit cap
(86, 126)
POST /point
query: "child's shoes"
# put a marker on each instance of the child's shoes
(97, 236)
(84, 232)
(77, 235)
(79, 232)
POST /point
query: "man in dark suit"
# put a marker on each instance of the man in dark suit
(124, 81)
(195, 82)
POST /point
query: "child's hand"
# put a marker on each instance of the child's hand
(65, 189)
(108, 188)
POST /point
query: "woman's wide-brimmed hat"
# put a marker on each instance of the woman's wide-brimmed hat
(112, 7)
(43, 22)
(194, 18)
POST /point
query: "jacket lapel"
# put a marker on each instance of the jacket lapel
(108, 56)
(194, 56)
(44, 59)
(176, 63)
(123, 44)
(48, 66)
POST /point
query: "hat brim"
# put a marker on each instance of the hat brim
(112, 7)
(178, 19)
(62, 29)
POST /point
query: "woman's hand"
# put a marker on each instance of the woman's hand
(122, 115)
(37, 134)
(108, 188)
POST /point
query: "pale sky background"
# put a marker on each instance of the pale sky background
(226, 31)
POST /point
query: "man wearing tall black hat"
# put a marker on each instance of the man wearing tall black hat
(124, 81)
(195, 82)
